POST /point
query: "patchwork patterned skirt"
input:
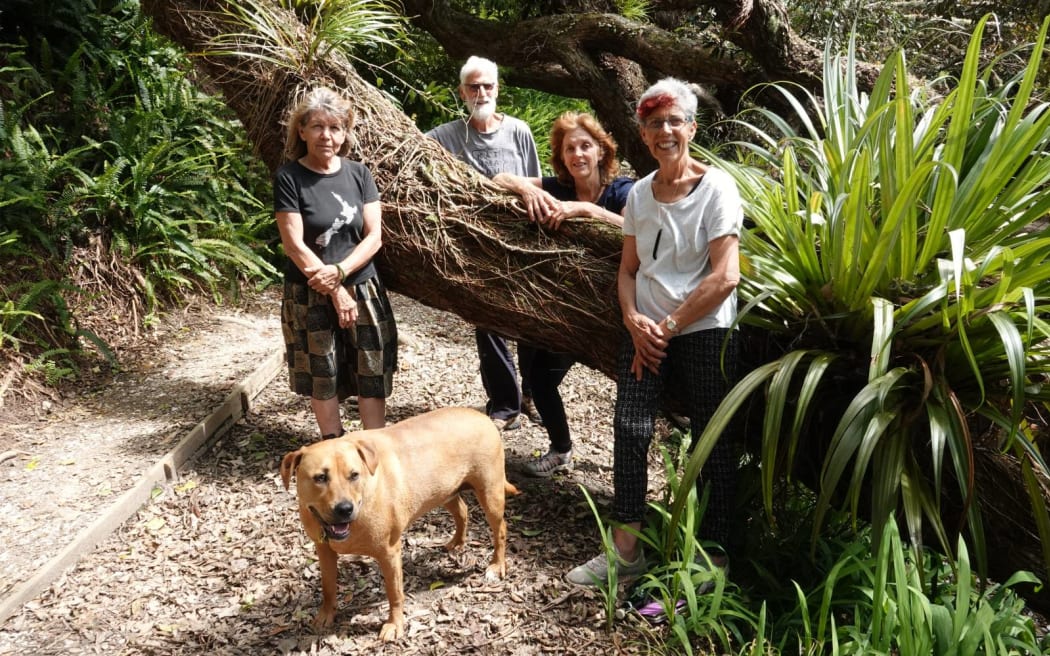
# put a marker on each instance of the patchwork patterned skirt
(325, 360)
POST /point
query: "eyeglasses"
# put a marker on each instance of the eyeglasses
(476, 87)
(673, 122)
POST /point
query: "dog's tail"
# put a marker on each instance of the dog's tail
(509, 489)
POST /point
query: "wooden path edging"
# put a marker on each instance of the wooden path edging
(237, 403)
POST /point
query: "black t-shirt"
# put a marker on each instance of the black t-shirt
(331, 205)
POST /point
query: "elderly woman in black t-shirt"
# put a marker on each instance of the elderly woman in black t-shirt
(339, 329)
(583, 156)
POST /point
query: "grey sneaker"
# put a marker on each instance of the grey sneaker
(594, 572)
(512, 423)
(550, 463)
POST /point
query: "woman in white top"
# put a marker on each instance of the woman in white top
(677, 290)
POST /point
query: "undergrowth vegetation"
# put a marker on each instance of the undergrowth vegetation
(122, 184)
(851, 591)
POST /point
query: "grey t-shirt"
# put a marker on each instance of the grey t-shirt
(508, 149)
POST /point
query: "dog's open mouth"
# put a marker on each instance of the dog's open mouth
(337, 532)
(333, 532)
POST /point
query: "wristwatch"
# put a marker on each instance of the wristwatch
(672, 325)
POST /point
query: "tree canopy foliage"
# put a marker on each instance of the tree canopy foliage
(607, 51)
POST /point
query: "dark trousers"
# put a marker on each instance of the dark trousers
(693, 371)
(499, 375)
(547, 372)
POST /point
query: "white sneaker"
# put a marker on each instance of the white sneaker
(550, 463)
(595, 571)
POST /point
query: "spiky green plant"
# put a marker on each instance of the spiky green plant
(874, 601)
(634, 9)
(609, 588)
(324, 26)
(893, 254)
(681, 572)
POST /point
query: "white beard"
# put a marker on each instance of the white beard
(483, 112)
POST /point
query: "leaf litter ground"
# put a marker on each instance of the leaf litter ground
(217, 562)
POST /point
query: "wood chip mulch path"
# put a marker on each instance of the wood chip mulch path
(217, 562)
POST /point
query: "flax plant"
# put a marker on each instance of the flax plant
(610, 587)
(697, 599)
(873, 601)
(892, 256)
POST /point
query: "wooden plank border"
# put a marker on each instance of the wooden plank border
(237, 403)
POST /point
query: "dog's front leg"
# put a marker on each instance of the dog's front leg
(390, 566)
(329, 562)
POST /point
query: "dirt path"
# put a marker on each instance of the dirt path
(70, 461)
(217, 562)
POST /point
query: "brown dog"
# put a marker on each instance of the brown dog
(358, 493)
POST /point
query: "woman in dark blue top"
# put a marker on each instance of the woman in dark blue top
(585, 184)
(583, 156)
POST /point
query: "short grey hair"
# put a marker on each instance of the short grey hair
(668, 90)
(478, 65)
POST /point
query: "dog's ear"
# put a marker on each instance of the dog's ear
(367, 451)
(290, 463)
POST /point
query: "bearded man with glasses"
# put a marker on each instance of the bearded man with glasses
(494, 143)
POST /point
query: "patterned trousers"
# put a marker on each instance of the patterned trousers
(693, 370)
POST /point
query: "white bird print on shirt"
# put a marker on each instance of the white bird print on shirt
(344, 218)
